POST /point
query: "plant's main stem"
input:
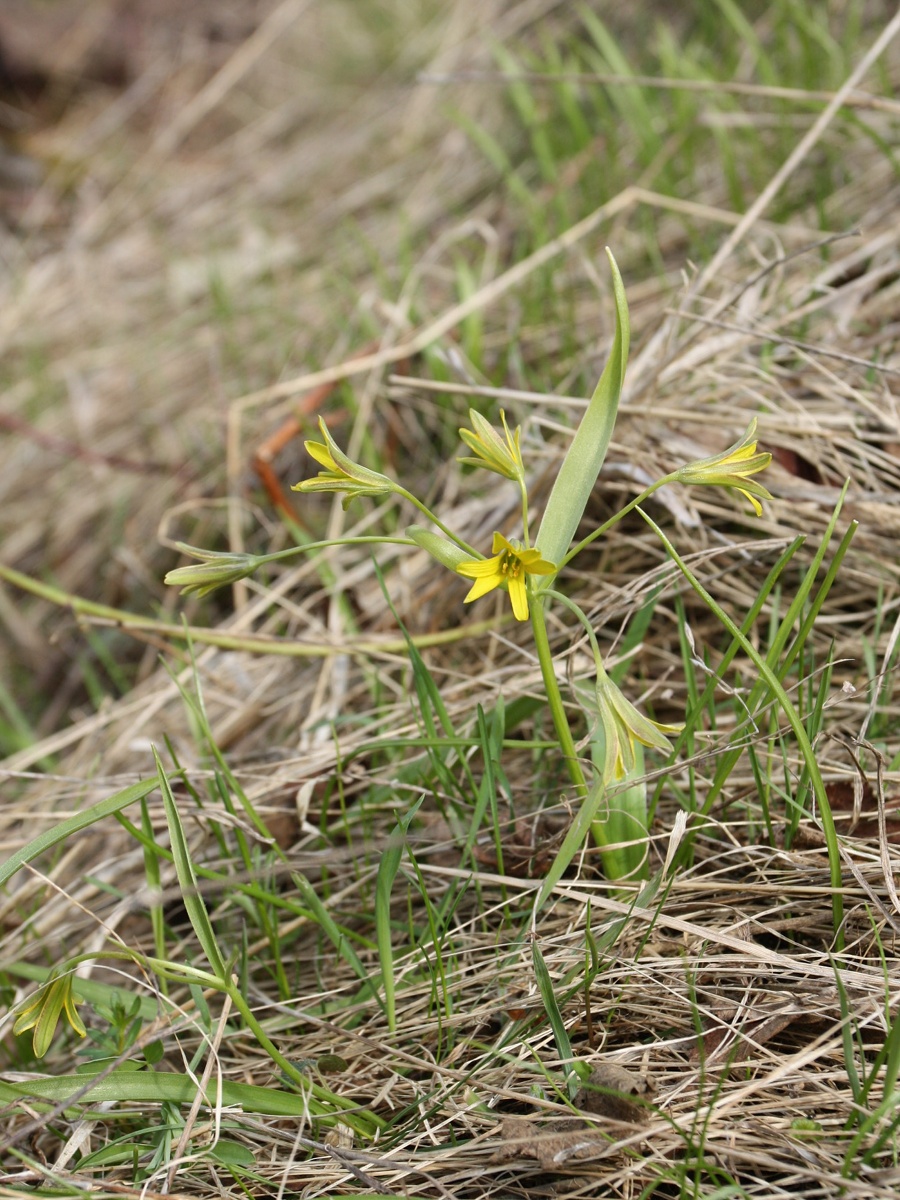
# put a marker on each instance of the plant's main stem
(612, 863)
(554, 699)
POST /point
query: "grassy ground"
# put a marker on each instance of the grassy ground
(309, 958)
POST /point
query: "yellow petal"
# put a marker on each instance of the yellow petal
(481, 587)
(518, 594)
(477, 568)
(757, 507)
(322, 455)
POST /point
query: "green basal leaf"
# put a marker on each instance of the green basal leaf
(582, 463)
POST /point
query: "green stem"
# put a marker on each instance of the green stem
(426, 512)
(581, 615)
(645, 495)
(524, 491)
(554, 698)
(614, 864)
(362, 1120)
(250, 643)
(310, 547)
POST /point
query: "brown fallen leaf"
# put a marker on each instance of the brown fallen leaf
(795, 464)
(528, 845)
(855, 810)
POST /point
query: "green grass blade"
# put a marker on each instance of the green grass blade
(65, 829)
(790, 712)
(387, 872)
(187, 879)
(332, 931)
(384, 882)
(551, 1007)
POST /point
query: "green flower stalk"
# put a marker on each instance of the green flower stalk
(503, 455)
(341, 473)
(732, 468)
(42, 1012)
(509, 569)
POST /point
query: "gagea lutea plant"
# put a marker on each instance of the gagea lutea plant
(606, 771)
(527, 567)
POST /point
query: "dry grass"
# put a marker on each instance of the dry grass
(200, 251)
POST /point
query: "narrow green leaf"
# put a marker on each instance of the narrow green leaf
(187, 879)
(387, 872)
(572, 842)
(560, 1034)
(65, 829)
(156, 1087)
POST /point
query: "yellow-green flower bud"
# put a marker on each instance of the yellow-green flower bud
(341, 473)
(623, 727)
(732, 469)
(503, 455)
(43, 1010)
(213, 571)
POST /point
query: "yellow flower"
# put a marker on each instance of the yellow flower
(341, 473)
(493, 452)
(622, 726)
(506, 569)
(43, 1011)
(732, 469)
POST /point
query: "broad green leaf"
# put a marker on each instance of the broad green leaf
(232, 1154)
(585, 456)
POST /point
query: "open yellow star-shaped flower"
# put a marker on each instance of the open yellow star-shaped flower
(507, 569)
